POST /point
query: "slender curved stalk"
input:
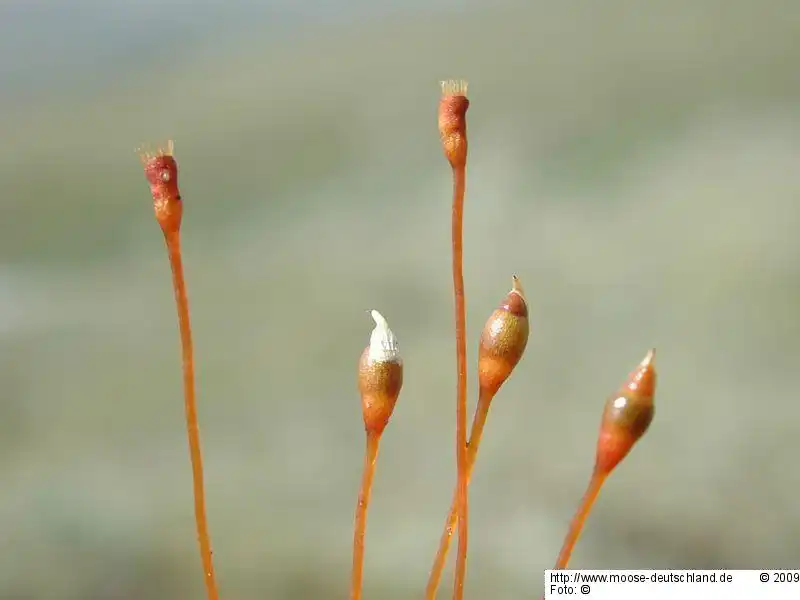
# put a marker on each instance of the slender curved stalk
(192, 428)
(362, 506)
(459, 180)
(451, 523)
(576, 526)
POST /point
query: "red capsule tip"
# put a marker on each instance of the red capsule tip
(642, 380)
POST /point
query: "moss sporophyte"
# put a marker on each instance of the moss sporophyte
(625, 419)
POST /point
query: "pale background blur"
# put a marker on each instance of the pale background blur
(638, 167)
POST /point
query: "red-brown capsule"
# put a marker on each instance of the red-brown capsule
(161, 171)
(503, 340)
(453, 122)
(380, 376)
(627, 415)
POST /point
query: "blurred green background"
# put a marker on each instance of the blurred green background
(637, 165)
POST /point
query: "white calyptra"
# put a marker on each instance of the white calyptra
(382, 342)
